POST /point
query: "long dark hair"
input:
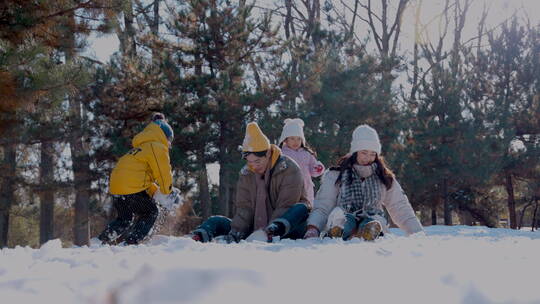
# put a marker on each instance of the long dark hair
(306, 147)
(347, 163)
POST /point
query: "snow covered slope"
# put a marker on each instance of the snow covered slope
(450, 265)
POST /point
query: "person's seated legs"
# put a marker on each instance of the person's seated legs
(292, 224)
(214, 226)
(350, 227)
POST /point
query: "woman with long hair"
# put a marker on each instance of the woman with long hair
(350, 200)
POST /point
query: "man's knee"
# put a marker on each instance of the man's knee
(213, 226)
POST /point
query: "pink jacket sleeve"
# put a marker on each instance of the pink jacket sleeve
(313, 163)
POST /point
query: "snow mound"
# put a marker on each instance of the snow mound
(456, 264)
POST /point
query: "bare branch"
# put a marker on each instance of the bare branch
(397, 26)
(372, 26)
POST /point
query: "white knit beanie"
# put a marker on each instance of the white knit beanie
(365, 137)
(293, 127)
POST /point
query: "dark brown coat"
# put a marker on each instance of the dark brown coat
(286, 189)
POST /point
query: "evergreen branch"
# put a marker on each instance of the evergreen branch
(87, 17)
(91, 60)
(143, 11)
(87, 4)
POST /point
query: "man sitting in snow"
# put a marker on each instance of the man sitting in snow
(270, 197)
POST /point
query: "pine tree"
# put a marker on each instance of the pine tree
(211, 93)
(448, 137)
(37, 77)
(513, 74)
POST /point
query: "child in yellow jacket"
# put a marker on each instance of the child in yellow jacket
(141, 175)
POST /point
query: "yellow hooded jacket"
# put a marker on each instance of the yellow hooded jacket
(145, 165)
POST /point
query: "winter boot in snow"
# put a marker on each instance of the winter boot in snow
(115, 232)
(141, 229)
(369, 229)
(335, 232)
(336, 221)
(274, 229)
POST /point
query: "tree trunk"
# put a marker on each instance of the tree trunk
(446, 204)
(155, 24)
(386, 37)
(224, 189)
(522, 214)
(7, 193)
(130, 42)
(314, 15)
(126, 36)
(154, 27)
(511, 201)
(534, 224)
(434, 212)
(232, 196)
(80, 160)
(46, 194)
(465, 218)
(204, 192)
(82, 179)
(288, 24)
(225, 170)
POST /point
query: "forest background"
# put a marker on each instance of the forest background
(452, 88)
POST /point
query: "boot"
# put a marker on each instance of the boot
(336, 221)
(115, 232)
(370, 230)
(335, 232)
(274, 229)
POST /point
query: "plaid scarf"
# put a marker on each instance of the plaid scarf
(360, 196)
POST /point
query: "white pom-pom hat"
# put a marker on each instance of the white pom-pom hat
(293, 127)
(365, 137)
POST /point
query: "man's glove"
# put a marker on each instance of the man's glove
(174, 197)
(169, 202)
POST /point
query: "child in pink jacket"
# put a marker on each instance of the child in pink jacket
(293, 144)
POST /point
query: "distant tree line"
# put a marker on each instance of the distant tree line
(459, 118)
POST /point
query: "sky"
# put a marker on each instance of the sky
(101, 48)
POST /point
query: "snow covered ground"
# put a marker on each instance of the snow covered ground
(450, 265)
